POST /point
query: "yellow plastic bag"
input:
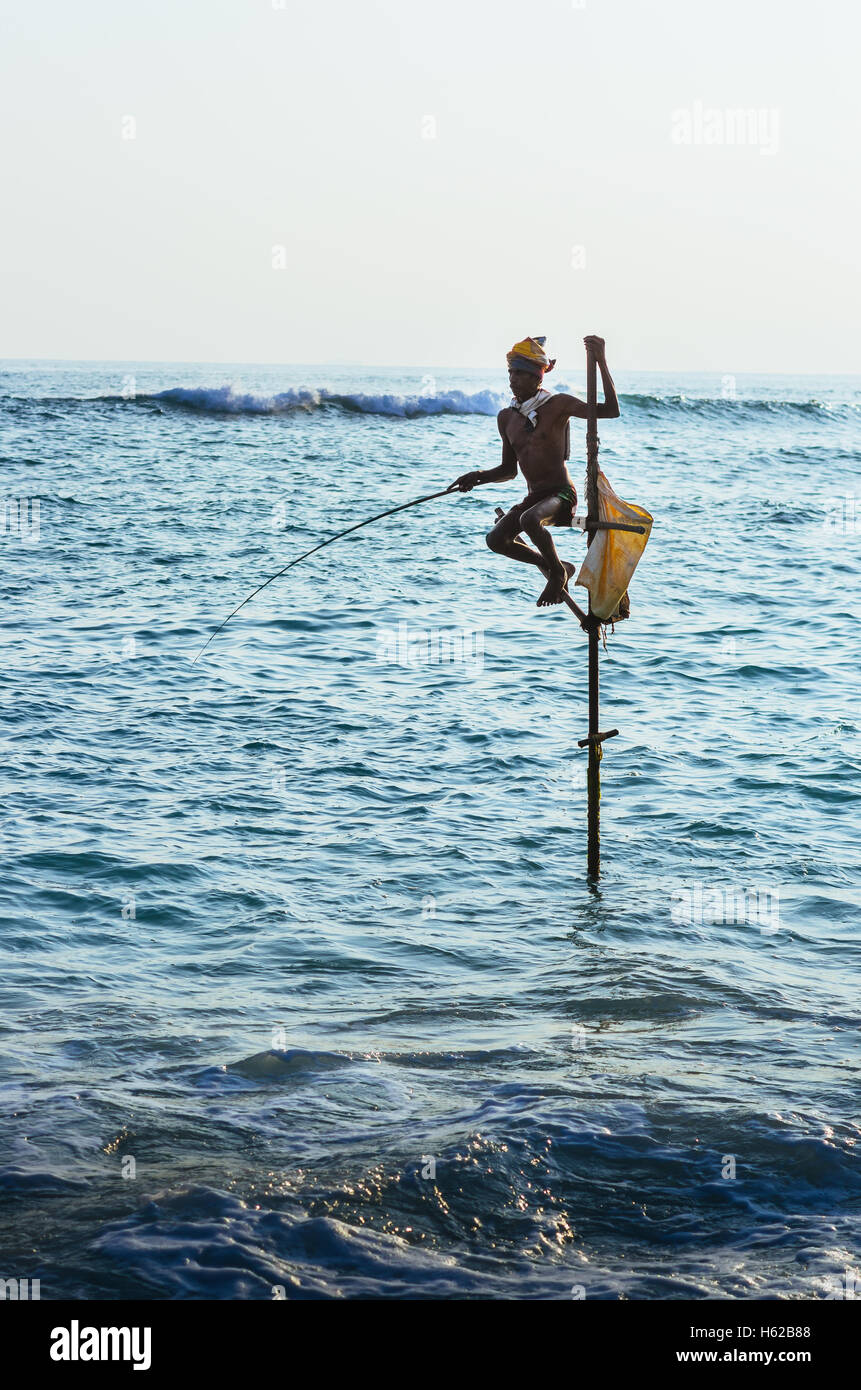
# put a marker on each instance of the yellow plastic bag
(613, 555)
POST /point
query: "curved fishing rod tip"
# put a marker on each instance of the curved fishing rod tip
(402, 507)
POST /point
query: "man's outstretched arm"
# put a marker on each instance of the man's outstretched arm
(506, 470)
(609, 410)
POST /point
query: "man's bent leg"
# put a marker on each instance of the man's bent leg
(534, 522)
(503, 540)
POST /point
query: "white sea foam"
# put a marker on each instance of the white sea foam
(233, 401)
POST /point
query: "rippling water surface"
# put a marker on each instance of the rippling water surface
(303, 930)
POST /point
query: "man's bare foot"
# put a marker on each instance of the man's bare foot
(556, 584)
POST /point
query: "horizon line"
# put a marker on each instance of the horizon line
(406, 366)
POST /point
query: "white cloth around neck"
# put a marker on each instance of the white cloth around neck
(530, 408)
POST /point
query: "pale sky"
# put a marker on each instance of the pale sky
(556, 193)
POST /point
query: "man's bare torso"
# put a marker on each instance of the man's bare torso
(540, 452)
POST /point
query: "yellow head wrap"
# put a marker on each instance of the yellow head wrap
(529, 356)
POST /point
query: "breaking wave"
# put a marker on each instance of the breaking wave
(227, 400)
(231, 400)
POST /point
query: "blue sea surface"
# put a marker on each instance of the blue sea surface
(304, 990)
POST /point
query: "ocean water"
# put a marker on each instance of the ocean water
(304, 990)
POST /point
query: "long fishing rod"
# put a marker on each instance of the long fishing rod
(359, 524)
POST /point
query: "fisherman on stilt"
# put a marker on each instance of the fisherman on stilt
(535, 435)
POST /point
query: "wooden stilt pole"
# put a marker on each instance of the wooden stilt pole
(591, 624)
(593, 776)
